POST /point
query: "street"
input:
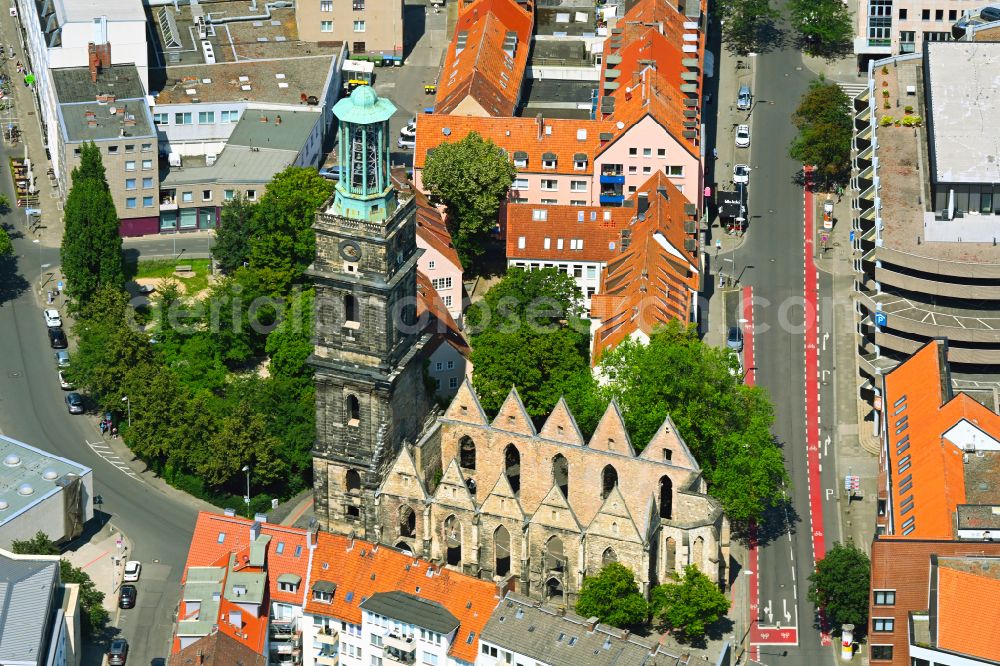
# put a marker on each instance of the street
(773, 262)
(32, 409)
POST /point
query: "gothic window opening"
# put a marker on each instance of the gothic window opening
(608, 557)
(560, 474)
(353, 481)
(512, 468)
(666, 497)
(609, 480)
(353, 409)
(670, 555)
(353, 513)
(555, 556)
(407, 522)
(452, 541)
(467, 453)
(405, 547)
(553, 589)
(501, 551)
(698, 552)
(350, 308)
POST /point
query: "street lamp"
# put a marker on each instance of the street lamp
(128, 404)
(246, 498)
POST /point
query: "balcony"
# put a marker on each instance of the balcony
(612, 198)
(327, 637)
(328, 660)
(612, 179)
(399, 642)
(168, 200)
(394, 656)
(283, 631)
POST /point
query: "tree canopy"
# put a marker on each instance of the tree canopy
(6, 246)
(825, 132)
(471, 177)
(826, 26)
(613, 597)
(690, 604)
(91, 247)
(232, 237)
(725, 423)
(840, 586)
(746, 24)
(528, 332)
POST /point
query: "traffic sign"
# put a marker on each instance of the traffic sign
(880, 319)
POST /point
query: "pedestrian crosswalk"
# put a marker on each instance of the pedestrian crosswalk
(853, 89)
(104, 450)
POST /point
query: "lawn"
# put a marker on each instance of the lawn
(164, 268)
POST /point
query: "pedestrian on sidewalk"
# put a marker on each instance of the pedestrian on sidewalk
(114, 432)
(715, 153)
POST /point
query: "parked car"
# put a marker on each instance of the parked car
(734, 340)
(744, 98)
(741, 174)
(74, 402)
(62, 359)
(331, 173)
(127, 596)
(52, 318)
(64, 383)
(742, 136)
(132, 570)
(118, 652)
(406, 142)
(57, 339)
(409, 130)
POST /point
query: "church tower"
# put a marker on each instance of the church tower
(370, 392)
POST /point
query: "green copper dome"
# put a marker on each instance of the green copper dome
(364, 107)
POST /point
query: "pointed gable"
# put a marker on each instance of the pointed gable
(610, 434)
(668, 446)
(452, 490)
(555, 512)
(502, 501)
(403, 479)
(513, 417)
(465, 406)
(613, 520)
(561, 426)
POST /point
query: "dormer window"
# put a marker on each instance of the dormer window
(289, 582)
(323, 591)
(520, 159)
(580, 161)
(549, 161)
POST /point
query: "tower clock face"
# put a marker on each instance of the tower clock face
(350, 250)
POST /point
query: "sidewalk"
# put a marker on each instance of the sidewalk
(103, 558)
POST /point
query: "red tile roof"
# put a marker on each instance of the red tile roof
(918, 404)
(359, 570)
(968, 612)
(599, 229)
(431, 229)
(650, 282)
(482, 69)
(206, 549)
(559, 136)
(439, 320)
(217, 649)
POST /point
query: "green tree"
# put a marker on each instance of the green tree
(242, 439)
(840, 586)
(91, 166)
(528, 332)
(91, 247)
(746, 24)
(93, 615)
(159, 409)
(6, 246)
(613, 597)
(825, 130)
(471, 177)
(282, 237)
(4, 204)
(290, 343)
(725, 423)
(40, 544)
(826, 26)
(232, 237)
(690, 604)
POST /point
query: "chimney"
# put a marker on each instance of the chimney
(592, 623)
(277, 120)
(263, 119)
(312, 532)
(351, 547)
(104, 51)
(199, 659)
(254, 531)
(541, 125)
(92, 61)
